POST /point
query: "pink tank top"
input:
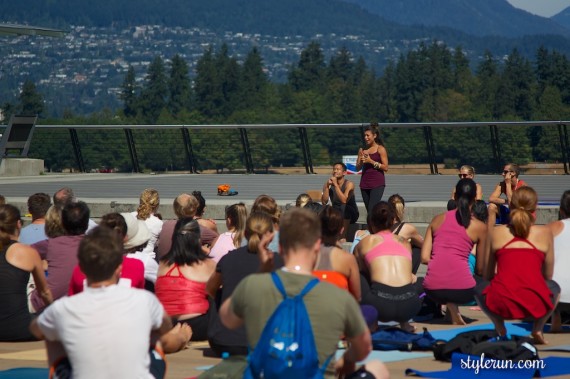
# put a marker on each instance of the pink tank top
(180, 295)
(389, 247)
(448, 267)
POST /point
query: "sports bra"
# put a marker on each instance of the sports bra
(389, 247)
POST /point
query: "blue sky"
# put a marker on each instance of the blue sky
(544, 8)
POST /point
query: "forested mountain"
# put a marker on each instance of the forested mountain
(480, 18)
(563, 18)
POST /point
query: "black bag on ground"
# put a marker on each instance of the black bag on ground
(478, 342)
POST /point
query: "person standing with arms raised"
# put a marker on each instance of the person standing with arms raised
(374, 163)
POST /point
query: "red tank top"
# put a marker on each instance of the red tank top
(372, 178)
(519, 289)
(180, 295)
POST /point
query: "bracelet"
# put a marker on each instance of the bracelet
(376, 165)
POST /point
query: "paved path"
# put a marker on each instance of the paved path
(281, 187)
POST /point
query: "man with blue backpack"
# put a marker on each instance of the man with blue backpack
(293, 321)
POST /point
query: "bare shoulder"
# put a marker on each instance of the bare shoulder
(556, 227)
(22, 250)
(541, 232)
(437, 221)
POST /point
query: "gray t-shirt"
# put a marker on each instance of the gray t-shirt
(333, 312)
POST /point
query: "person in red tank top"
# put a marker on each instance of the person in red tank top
(519, 271)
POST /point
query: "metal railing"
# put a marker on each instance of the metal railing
(255, 148)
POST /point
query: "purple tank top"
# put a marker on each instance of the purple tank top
(372, 178)
(449, 267)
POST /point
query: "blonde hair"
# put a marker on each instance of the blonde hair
(237, 214)
(148, 203)
(302, 200)
(523, 204)
(399, 204)
(258, 223)
(470, 169)
(267, 204)
(54, 226)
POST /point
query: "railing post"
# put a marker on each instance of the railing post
(246, 151)
(77, 149)
(563, 134)
(132, 150)
(188, 150)
(430, 149)
(306, 150)
(496, 146)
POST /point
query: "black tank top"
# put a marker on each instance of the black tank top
(15, 317)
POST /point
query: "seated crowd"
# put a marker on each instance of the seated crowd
(152, 285)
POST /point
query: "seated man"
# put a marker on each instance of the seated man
(256, 298)
(38, 205)
(185, 205)
(105, 330)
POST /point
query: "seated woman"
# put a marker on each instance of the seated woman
(447, 245)
(17, 261)
(231, 269)
(387, 259)
(267, 204)
(182, 276)
(132, 272)
(407, 230)
(561, 231)
(201, 210)
(520, 269)
(236, 216)
(334, 264)
(147, 211)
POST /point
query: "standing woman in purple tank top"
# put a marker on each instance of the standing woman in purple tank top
(374, 163)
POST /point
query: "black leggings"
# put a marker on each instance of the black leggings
(371, 197)
(394, 303)
(199, 325)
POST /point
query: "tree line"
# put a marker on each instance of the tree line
(434, 83)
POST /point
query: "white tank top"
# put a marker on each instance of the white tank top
(562, 261)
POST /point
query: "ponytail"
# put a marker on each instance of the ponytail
(463, 212)
(523, 204)
(465, 192)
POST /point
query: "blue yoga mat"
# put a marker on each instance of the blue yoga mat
(25, 373)
(389, 356)
(447, 334)
(553, 366)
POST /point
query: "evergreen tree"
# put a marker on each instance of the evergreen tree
(486, 93)
(155, 92)
(129, 94)
(310, 70)
(31, 101)
(208, 96)
(516, 88)
(253, 82)
(179, 86)
(229, 72)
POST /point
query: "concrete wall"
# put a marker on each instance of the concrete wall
(21, 167)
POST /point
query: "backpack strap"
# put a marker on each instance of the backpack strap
(279, 284)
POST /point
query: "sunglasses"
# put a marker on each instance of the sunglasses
(463, 176)
(506, 171)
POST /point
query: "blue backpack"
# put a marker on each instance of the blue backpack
(286, 348)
